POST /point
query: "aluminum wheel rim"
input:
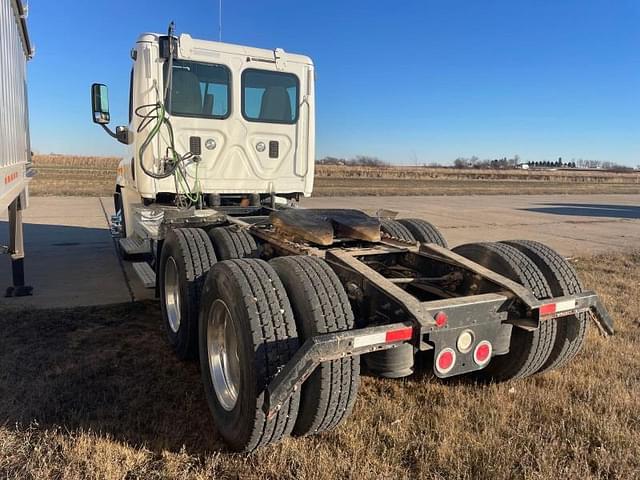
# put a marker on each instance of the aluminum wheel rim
(222, 350)
(172, 294)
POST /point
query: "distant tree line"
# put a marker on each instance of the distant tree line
(513, 162)
(496, 163)
(357, 161)
(477, 163)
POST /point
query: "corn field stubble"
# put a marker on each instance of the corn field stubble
(95, 176)
(96, 393)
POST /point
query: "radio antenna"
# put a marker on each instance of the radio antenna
(219, 20)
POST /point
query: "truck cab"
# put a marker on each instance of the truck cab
(212, 122)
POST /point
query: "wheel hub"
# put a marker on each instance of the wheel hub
(172, 294)
(222, 353)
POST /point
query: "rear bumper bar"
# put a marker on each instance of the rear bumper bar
(462, 312)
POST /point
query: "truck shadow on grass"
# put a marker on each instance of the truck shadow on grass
(102, 369)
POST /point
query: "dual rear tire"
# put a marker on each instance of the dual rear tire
(246, 318)
(563, 280)
(247, 333)
(547, 274)
(254, 317)
(185, 260)
(412, 230)
(528, 349)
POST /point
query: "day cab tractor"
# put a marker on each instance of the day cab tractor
(281, 303)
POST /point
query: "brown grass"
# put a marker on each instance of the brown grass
(96, 393)
(74, 175)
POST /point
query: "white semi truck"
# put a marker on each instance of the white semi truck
(15, 148)
(279, 303)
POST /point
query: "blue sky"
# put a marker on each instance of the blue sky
(407, 81)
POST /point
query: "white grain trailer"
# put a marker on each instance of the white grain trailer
(15, 148)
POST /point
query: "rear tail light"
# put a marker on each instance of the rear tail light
(482, 353)
(445, 360)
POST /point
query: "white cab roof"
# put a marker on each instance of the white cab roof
(189, 45)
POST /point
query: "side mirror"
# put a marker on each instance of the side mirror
(100, 103)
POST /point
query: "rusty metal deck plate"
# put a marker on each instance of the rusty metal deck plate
(321, 226)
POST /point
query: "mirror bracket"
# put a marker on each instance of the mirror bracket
(123, 135)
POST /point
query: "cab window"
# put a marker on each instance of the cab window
(270, 97)
(199, 90)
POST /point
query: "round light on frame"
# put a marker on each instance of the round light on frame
(261, 147)
(210, 144)
(465, 341)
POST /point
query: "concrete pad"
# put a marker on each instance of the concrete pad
(70, 256)
(572, 224)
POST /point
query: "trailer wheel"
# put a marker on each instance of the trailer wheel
(233, 242)
(247, 333)
(395, 229)
(528, 350)
(563, 280)
(185, 259)
(423, 231)
(320, 305)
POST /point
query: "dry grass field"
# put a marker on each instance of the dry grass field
(69, 175)
(96, 393)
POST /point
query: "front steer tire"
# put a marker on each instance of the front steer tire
(185, 259)
(264, 338)
(528, 350)
(320, 305)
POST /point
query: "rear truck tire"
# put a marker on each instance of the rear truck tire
(233, 242)
(423, 231)
(563, 280)
(396, 230)
(320, 305)
(185, 259)
(247, 333)
(528, 350)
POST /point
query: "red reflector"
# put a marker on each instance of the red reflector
(548, 309)
(482, 353)
(445, 360)
(441, 319)
(397, 335)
